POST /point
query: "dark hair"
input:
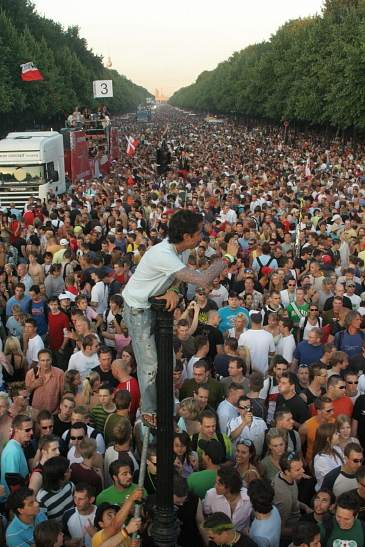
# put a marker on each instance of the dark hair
(35, 289)
(54, 471)
(31, 321)
(217, 520)
(230, 478)
(85, 487)
(122, 399)
(240, 364)
(261, 495)
(207, 414)
(232, 343)
(326, 491)
(183, 222)
(286, 460)
(16, 500)
(200, 341)
(123, 461)
(46, 533)
(352, 447)
(321, 401)
(79, 425)
(360, 473)
(47, 440)
(348, 501)
(19, 419)
(304, 533)
(291, 377)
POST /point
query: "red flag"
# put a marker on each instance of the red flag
(30, 73)
(132, 145)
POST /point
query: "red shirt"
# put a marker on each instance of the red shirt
(56, 323)
(29, 218)
(132, 386)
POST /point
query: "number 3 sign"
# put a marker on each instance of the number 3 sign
(102, 88)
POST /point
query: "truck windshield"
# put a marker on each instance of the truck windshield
(22, 173)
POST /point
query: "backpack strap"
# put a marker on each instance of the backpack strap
(194, 441)
(339, 340)
(293, 439)
(328, 526)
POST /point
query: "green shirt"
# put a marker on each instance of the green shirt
(216, 391)
(353, 537)
(297, 311)
(98, 416)
(114, 496)
(200, 482)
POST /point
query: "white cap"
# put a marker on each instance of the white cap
(63, 242)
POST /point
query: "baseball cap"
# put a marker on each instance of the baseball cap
(101, 510)
(213, 449)
(103, 272)
(63, 241)
(68, 295)
(326, 259)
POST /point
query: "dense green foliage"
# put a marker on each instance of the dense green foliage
(67, 64)
(312, 70)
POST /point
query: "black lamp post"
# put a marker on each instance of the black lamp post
(164, 527)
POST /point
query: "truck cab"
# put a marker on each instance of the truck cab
(31, 164)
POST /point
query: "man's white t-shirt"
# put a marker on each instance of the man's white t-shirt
(99, 295)
(34, 346)
(83, 363)
(260, 343)
(286, 347)
(154, 274)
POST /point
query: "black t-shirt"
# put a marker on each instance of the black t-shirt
(203, 314)
(244, 541)
(357, 362)
(359, 415)
(296, 405)
(106, 377)
(221, 364)
(59, 427)
(215, 338)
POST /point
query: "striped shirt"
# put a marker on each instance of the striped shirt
(56, 502)
(98, 416)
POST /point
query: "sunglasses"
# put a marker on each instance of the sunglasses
(246, 442)
(79, 438)
(313, 309)
(245, 407)
(358, 460)
(27, 429)
(47, 427)
(341, 387)
(329, 410)
(352, 383)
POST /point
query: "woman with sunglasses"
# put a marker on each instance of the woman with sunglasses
(312, 320)
(245, 456)
(327, 454)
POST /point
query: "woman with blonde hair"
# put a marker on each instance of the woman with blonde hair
(343, 425)
(90, 389)
(189, 411)
(276, 282)
(14, 363)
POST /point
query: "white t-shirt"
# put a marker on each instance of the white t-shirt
(219, 296)
(286, 347)
(77, 523)
(34, 346)
(154, 274)
(99, 295)
(260, 343)
(83, 363)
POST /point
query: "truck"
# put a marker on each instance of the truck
(42, 163)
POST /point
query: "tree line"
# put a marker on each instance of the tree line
(67, 64)
(311, 71)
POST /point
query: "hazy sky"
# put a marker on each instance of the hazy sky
(166, 44)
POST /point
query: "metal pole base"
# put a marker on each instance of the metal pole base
(165, 528)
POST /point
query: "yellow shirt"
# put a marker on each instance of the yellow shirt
(99, 538)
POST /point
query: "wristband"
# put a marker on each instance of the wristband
(228, 257)
(174, 289)
(124, 533)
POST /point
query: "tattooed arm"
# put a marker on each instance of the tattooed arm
(201, 279)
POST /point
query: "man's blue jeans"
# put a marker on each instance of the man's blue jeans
(140, 325)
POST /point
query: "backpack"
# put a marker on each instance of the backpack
(262, 266)
(302, 329)
(195, 438)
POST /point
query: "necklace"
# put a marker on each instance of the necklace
(235, 539)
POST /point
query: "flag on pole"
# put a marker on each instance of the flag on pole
(30, 73)
(132, 145)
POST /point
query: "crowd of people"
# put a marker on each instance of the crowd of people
(267, 291)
